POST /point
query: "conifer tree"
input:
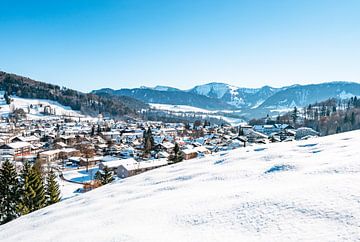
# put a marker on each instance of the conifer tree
(24, 205)
(52, 189)
(107, 176)
(9, 192)
(177, 155)
(33, 190)
(37, 184)
(104, 177)
(7, 98)
(149, 141)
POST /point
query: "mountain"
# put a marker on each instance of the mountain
(251, 102)
(302, 95)
(169, 96)
(90, 104)
(308, 193)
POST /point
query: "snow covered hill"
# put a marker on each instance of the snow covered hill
(295, 191)
(35, 108)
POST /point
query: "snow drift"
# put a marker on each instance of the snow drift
(296, 191)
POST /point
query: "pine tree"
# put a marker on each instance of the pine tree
(24, 205)
(33, 190)
(7, 98)
(295, 115)
(52, 189)
(107, 176)
(37, 184)
(148, 141)
(9, 192)
(177, 155)
(104, 177)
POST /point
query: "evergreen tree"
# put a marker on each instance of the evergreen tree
(177, 155)
(148, 141)
(24, 205)
(37, 184)
(295, 115)
(107, 176)
(52, 189)
(9, 192)
(92, 130)
(33, 190)
(7, 98)
(104, 177)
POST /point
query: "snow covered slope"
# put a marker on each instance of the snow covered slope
(36, 107)
(296, 191)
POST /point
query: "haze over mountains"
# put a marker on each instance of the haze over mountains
(251, 101)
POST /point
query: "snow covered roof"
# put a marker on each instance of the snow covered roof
(18, 145)
(119, 162)
(144, 164)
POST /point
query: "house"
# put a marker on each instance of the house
(305, 132)
(165, 146)
(111, 135)
(49, 156)
(114, 163)
(134, 168)
(30, 139)
(54, 155)
(90, 161)
(191, 153)
(68, 139)
(16, 149)
(256, 137)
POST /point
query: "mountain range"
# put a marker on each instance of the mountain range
(249, 101)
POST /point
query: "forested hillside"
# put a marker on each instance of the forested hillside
(90, 104)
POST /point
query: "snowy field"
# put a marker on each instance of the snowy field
(38, 107)
(295, 191)
(179, 108)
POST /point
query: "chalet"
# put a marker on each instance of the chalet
(256, 137)
(113, 163)
(134, 168)
(68, 139)
(193, 153)
(54, 155)
(16, 149)
(90, 161)
(166, 146)
(30, 139)
(111, 135)
(49, 156)
(302, 133)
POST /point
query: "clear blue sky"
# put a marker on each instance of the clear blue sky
(85, 44)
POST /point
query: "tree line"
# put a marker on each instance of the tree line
(327, 117)
(25, 191)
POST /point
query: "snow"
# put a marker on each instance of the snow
(294, 191)
(345, 95)
(219, 89)
(179, 108)
(38, 107)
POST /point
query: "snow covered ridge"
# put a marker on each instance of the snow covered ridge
(295, 191)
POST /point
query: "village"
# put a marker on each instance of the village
(78, 147)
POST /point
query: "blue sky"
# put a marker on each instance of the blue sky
(89, 44)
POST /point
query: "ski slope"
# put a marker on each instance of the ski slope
(294, 191)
